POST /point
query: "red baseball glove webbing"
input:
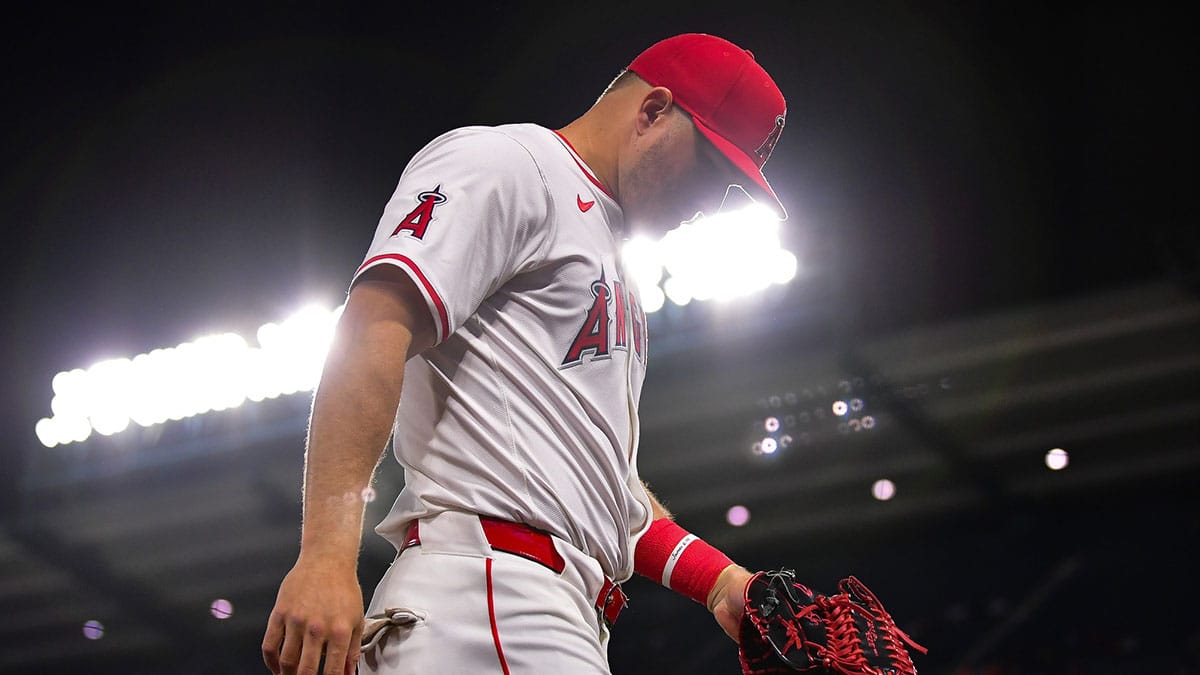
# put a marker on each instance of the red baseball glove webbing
(788, 628)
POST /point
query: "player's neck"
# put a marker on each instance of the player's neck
(591, 143)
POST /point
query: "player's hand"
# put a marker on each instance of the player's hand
(319, 609)
(727, 599)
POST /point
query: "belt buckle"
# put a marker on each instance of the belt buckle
(613, 588)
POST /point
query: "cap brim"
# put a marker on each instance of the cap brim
(757, 185)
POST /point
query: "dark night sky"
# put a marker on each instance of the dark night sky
(172, 172)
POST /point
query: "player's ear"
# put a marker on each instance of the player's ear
(654, 107)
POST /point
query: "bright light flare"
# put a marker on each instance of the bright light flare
(718, 257)
(213, 372)
(643, 261)
(652, 298)
(727, 255)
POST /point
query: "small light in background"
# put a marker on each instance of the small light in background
(883, 489)
(868, 422)
(368, 494)
(93, 630)
(46, 432)
(1057, 459)
(738, 515)
(785, 441)
(840, 408)
(771, 424)
(221, 608)
(769, 446)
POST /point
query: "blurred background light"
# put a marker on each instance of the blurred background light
(93, 630)
(883, 489)
(221, 608)
(1057, 459)
(737, 515)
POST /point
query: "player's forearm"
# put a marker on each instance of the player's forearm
(353, 412)
(705, 570)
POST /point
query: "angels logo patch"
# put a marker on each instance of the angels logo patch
(417, 220)
(763, 153)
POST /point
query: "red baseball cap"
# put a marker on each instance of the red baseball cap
(733, 101)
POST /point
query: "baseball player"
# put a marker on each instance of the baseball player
(494, 331)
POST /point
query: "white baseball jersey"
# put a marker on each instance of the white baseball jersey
(526, 408)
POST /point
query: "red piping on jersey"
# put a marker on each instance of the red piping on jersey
(492, 618)
(574, 155)
(443, 317)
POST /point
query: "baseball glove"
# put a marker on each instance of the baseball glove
(787, 628)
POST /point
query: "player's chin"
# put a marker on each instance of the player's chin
(662, 216)
(677, 215)
(649, 223)
(657, 227)
(645, 228)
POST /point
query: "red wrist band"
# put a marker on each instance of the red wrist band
(679, 560)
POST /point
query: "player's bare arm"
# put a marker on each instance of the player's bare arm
(319, 607)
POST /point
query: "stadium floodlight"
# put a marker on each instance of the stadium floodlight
(213, 372)
(727, 255)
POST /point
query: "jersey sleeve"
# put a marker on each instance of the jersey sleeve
(470, 212)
